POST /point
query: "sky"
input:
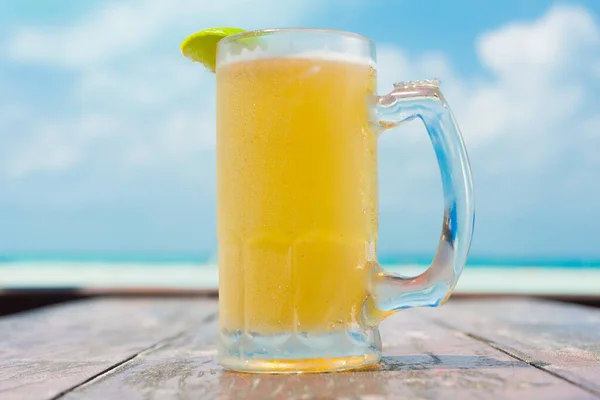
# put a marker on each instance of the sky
(107, 134)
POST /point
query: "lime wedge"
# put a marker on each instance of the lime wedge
(201, 46)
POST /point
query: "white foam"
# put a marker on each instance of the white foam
(228, 57)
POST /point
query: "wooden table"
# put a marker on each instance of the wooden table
(151, 348)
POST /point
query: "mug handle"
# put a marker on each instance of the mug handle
(392, 292)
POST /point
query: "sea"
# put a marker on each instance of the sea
(209, 260)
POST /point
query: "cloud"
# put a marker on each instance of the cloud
(531, 127)
(532, 118)
(540, 86)
(125, 71)
(120, 30)
(542, 49)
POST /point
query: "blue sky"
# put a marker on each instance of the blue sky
(107, 133)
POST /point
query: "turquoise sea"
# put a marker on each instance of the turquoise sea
(208, 260)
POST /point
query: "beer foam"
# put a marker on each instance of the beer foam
(225, 58)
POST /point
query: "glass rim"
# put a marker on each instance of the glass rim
(271, 31)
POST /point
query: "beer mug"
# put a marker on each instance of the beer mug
(298, 119)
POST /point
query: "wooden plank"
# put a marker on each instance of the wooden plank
(422, 361)
(563, 339)
(48, 351)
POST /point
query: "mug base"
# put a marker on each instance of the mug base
(314, 365)
(344, 349)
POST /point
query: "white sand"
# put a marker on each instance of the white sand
(509, 280)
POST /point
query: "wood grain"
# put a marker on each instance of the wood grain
(422, 361)
(560, 338)
(49, 351)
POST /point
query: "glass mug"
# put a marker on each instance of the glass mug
(300, 289)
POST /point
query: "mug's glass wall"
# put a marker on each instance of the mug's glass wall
(297, 196)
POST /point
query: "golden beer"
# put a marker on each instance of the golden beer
(296, 193)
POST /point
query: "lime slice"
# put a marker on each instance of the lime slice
(201, 46)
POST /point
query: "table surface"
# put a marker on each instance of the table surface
(124, 348)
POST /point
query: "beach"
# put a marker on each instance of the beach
(476, 279)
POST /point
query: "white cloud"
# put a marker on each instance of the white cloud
(531, 128)
(128, 29)
(536, 51)
(156, 106)
(60, 151)
(542, 91)
(54, 145)
(541, 84)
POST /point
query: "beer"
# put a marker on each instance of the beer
(296, 192)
